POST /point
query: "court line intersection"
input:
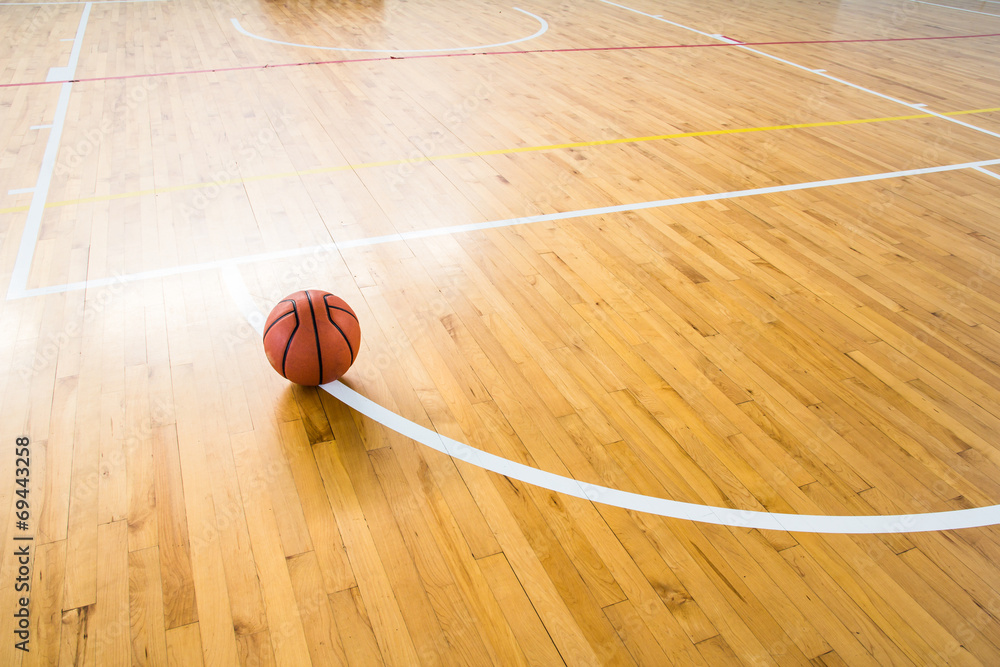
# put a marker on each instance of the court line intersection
(337, 246)
(817, 72)
(722, 516)
(40, 191)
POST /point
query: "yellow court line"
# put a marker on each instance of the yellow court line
(500, 151)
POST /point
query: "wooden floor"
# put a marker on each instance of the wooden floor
(825, 350)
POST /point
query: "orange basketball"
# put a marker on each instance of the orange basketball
(312, 337)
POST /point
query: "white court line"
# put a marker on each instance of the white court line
(66, 73)
(41, 127)
(20, 191)
(29, 237)
(987, 172)
(478, 226)
(33, 222)
(971, 11)
(722, 516)
(541, 31)
(659, 17)
(822, 73)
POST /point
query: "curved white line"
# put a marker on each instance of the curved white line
(801, 523)
(541, 31)
(722, 516)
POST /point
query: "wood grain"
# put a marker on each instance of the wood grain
(830, 350)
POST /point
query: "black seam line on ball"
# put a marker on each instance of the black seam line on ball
(342, 309)
(291, 337)
(350, 347)
(319, 350)
(291, 312)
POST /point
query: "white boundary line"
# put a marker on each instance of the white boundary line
(722, 516)
(987, 172)
(66, 73)
(33, 222)
(541, 31)
(971, 11)
(479, 226)
(818, 72)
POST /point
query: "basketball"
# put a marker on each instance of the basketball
(312, 337)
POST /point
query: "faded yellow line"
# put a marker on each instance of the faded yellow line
(500, 151)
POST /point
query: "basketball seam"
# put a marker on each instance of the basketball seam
(319, 349)
(291, 312)
(350, 348)
(291, 336)
(344, 310)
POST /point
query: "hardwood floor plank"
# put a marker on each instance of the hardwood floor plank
(184, 645)
(111, 611)
(46, 605)
(149, 643)
(395, 643)
(174, 545)
(355, 628)
(322, 635)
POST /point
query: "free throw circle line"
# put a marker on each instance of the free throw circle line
(544, 26)
(722, 516)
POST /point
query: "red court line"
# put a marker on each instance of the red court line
(493, 53)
